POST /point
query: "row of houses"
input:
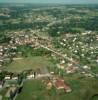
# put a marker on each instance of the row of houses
(6, 53)
(29, 74)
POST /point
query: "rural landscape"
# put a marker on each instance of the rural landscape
(48, 51)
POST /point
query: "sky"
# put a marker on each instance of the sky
(53, 1)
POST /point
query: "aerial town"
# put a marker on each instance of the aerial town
(48, 52)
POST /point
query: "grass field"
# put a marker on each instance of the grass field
(3, 93)
(36, 90)
(30, 90)
(28, 63)
(82, 89)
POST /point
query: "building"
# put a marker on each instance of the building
(31, 76)
(71, 69)
(60, 84)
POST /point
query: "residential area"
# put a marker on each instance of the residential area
(48, 52)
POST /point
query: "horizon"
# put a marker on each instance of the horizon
(52, 2)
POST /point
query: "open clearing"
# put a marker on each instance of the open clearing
(82, 89)
(28, 63)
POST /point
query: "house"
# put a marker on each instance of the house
(60, 84)
(7, 77)
(52, 72)
(62, 62)
(1, 48)
(71, 69)
(1, 53)
(1, 60)
(97, 60)
(14, 77)
(49, 85)
(60, 66)
(30, 76)
(86, 67)
(89, 75)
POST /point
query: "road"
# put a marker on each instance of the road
(57, 53)
(64, 57)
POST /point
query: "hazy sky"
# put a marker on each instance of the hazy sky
(52, 1)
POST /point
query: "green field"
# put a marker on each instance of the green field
(31, 90)
(36, 90)
(28, 63)
(82, 89)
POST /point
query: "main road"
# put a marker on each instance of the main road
(57, 53)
